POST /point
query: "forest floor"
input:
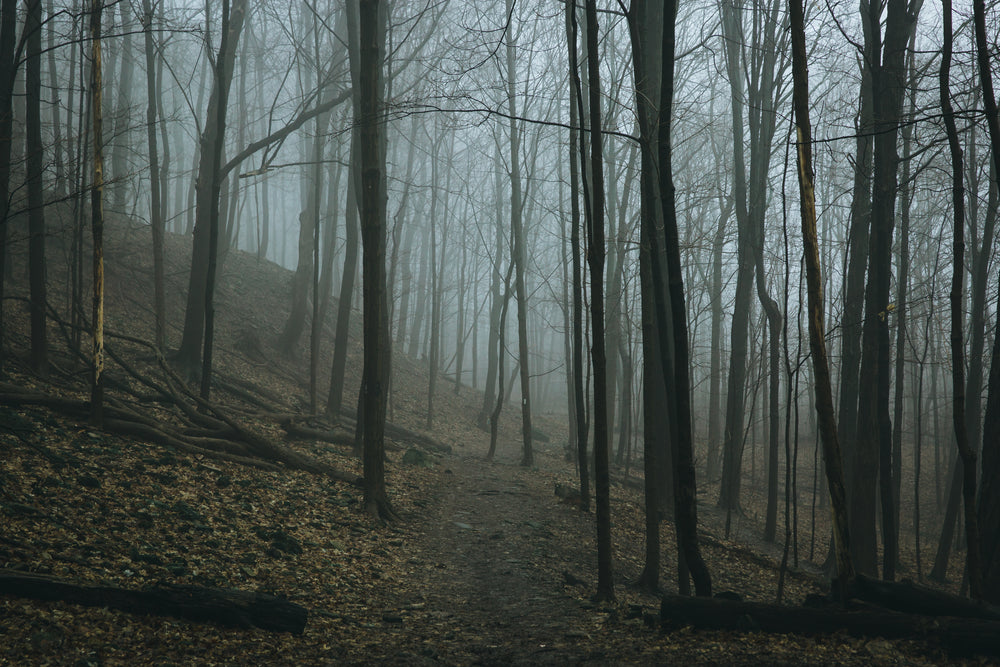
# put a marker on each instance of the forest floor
(486, 565)
(475, 572)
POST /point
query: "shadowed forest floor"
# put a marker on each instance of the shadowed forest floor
(486, 566)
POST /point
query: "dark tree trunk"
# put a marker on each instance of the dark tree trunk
(576, 144)
(121, 142)
(957, 298)
(856, 263)
(227, 607)
(989, 508)
(435, 319)
(97, 223)
(207, 190)
(814, 279)
(873, 461)
(156, 209)
(493, 338)
(369, 88)
(519, 254)
(34, 174)
(674, 319)
(595, 254)
(341, 341)
(8, 68)
(732, 449)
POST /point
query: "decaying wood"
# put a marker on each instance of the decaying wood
(959, 636)
(911, 598)
(336, 436)
(228, 607)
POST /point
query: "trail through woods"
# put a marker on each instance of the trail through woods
(491, 560)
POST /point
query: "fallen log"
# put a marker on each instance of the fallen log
(911, 598)
(336, 436)
(400, 433)
(227, 607)
(959, 636)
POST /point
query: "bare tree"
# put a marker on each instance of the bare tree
(34, 174)
(369, 88)
(814, 279)
(97, 220)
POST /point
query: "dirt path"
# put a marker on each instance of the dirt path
(487, 574)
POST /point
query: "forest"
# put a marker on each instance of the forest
(464, 332)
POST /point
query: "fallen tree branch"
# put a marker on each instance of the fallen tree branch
(960, 636)
(227, 607)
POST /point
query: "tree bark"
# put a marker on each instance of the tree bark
(989, 508)
(957, 298)
(34, 174)
(8, 69)
(576, 144)
(156, 207)
(97, 222)
(814, 280)
(377, 346)
(207, 196)
(670, 277)
(229, 607)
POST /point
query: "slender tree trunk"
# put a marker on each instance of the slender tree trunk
(435, 319)
(685, 489)
(121, 141)
(208, 189)
(715, 371)
(156, 207)
(57, 140)
(493, 337)
(874, 429)
(519, 253)
(8, 23)
(369, 89)
(732, 450)
(97, 221)
(343, 332)
(989, 509)
(856, 263)
(232, 25)
(34, 174)
(814, 279)
(902, 290)
(576, 143)
(605, 577)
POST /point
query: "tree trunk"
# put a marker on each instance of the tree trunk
(957, 298)
(670, 276)
(873, 460)
(341, 340)
(435, 319)
(989, 509)
(208, 188)
(121, 139)
(369, 87)
(227, 607)
(596, 250)
(856, 262)
(34, 174)
(8, 69)
(156, 207)
(97, 223)
(732, 449)
(814, 280)
(519, 253)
